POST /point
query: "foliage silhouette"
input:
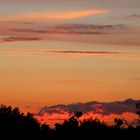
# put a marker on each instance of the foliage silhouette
(118, 122)
(78, 114)
(16, 125)
(138, 107)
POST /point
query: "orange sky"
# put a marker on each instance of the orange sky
(60, 53)
(36, 79)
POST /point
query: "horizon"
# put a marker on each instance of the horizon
(37, 109)
(63, 52)
(104, 111)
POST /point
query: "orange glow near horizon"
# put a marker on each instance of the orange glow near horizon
(54, 118)
(33, 77)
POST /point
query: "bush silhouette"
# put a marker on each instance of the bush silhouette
(118, 122)
(16, 125)
(138, 107)
(78, 114)
(12, 118)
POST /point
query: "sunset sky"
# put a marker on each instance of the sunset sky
(67, 51)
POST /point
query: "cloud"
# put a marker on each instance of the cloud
(14, 39)
(57, 31)
(61, 51)
(116, 107)
(39, 16)
(133, 16)
(89, 26)
(120, 34)
(75, 52)
(104, 111)
(76, 29)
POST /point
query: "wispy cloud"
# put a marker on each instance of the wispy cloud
(75, 29)
(133, 16)
(101, 34)
(35, 16)
(14, 39)
(61, 51)
(75, 52)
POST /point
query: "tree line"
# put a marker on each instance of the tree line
(16, 125)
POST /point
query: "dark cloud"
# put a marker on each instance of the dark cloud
(56, 31)
(117, 107)
(76, 29)
(64, 52)
(133, 16)
(84, 26)
(13, 39)
(75, 52)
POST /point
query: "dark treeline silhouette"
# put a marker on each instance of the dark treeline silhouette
(16, 125)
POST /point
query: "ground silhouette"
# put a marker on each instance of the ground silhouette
(16, 125)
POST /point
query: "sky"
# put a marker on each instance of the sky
(61, 51)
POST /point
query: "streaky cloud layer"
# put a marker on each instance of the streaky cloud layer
(121, 34)
(60, 51)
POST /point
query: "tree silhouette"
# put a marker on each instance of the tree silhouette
(12, 118)
(138, 107)
(78, 114)
(16, 125)
(118, 122)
